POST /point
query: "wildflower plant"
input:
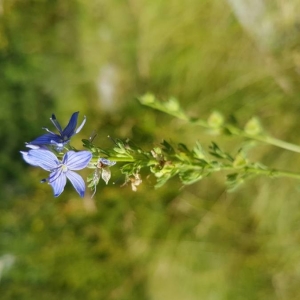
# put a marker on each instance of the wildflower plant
(41, 155)
(53, 153)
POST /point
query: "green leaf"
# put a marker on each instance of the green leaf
(167, 147)
(253, 127)
(190, 177)
(215, 120)
(171, 106)
(217, 152)
(183, 148)
(240, 160)
(198, 151)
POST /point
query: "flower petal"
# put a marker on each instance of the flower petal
(70, 129)
(77, 182)
(106, 174)
(77, 160)
(35, 146)
(27, 159)
(47, 139)
(54, 175)
(42, 158)
(55, 123)
(107, 162)
(58, 181)
(81, 125)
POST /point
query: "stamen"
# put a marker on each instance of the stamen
(48, 130)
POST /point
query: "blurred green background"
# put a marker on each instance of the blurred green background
(196, 242)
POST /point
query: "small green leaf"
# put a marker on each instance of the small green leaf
(198, 151)
(217, 152)
(189, 177)
(232, 177)
(147, 99)
(240, 160)
(253, 127)
(167, 147)
(215, 120)
(172, 105)
(183, 148)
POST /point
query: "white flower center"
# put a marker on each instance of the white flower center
(64, 168)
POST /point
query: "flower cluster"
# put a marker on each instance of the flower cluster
(41, 155)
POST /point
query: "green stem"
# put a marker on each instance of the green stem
(267, 172)
(264, 138)
(116, 159)
(276, 142)
(275, 173)
(232, 129)
(121, 159)
(261, 138)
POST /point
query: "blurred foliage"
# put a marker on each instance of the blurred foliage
(97, 56)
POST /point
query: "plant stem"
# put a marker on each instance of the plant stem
(279, 143)
(271, 172)
(258, 171)
(261, 138)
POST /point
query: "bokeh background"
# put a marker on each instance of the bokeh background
(241, 57)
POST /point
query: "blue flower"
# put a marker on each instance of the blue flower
(60, 170)
(59, 140)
